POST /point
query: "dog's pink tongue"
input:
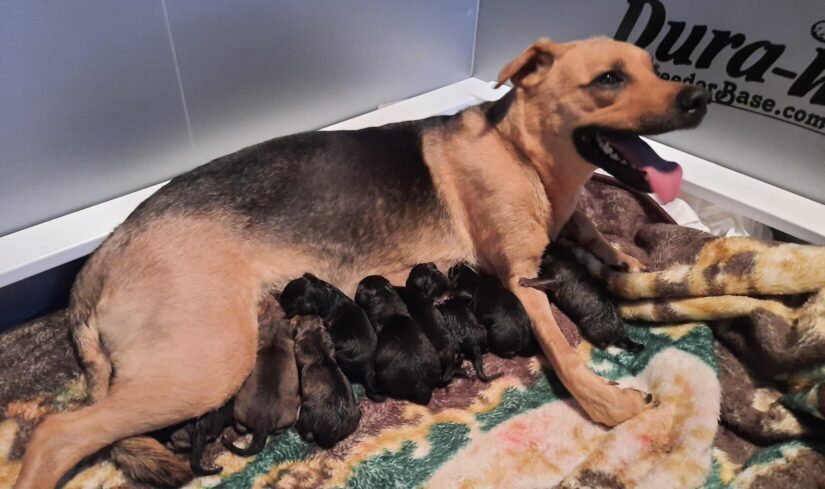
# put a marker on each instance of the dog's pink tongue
(664, 177)
(665, 185)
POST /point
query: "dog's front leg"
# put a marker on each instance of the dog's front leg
(603, 401)
(581, 229)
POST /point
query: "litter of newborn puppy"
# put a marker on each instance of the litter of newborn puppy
(398, 341)
(329, 411)
(509, 332)
(268, 400)
(350, 329)
(407, 365)
(582, 298)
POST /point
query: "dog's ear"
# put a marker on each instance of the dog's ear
(524, 71)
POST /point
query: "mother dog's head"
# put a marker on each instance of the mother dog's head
(592, 100)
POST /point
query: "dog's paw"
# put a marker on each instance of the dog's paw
(606, 402)
(627, 263)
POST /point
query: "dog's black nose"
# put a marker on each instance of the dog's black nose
(693, 99)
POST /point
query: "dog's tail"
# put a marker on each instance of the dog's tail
(255, 446)
(91, 428)
(146, 460)
(478, 364)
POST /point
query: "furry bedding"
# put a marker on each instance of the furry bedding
(734, 335)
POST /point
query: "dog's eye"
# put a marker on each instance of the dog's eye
(609, 79)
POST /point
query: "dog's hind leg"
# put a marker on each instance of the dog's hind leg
(158, 385)
(156, 463)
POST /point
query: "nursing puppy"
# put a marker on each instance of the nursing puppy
(269, 398)
(353, 336)
(426, 278)
(465, 329)
(407, 365)
(425, 284)
(463, 281)
(329, 412)
(509, 332)
(582, 298)
(491, 185)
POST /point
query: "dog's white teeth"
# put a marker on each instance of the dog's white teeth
(609, 150)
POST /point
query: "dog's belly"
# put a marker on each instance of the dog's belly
(347, 263)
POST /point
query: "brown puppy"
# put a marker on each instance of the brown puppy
(269, 399)
(491, 186)
(329, 410)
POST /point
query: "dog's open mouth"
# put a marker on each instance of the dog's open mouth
(625, 156)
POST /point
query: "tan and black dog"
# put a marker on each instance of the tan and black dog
(178, 283)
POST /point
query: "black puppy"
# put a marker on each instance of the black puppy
(426, 278)
(462, 282)
(406, 363)
(329, 411)
(462, 323)
(352, 334)
(582, 298)
(465, 329)
(509, 332)
(195, 435)
(425, 284)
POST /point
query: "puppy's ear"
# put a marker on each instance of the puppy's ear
(364, 296)
(525, 71)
